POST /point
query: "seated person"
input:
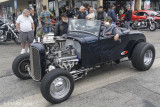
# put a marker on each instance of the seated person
(110, 29)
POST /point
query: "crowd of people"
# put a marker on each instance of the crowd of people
(27, 21)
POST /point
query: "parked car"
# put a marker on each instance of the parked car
(70, 57)
(144, 14)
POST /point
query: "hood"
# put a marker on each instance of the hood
(82, 38)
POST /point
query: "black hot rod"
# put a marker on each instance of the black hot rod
(68, 58)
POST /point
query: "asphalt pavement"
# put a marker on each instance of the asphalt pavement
(113, 86)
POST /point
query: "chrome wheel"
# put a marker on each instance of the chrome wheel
(148, 57)
(60, 87)
(152, 26)
(24, 67)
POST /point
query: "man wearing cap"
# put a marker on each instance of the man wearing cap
(110, 29)
(25, 27)
(62, 26)
(128, 17)
(112, 14)
(101, 14)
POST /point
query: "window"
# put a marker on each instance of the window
(141, 14)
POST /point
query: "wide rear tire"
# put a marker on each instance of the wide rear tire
(57, 86)
(143, 56)
(20, 66)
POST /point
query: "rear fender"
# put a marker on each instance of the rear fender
(132, 46)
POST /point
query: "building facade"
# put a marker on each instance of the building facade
(7, 7)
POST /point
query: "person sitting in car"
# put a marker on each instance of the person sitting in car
(110, 29)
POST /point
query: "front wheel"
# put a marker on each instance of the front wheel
(16, 40)
(143, 56)
(57, 86)
(153, 26)
(134, 26)
(21, 66)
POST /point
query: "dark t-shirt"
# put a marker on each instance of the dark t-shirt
(81, 15)
(128, 15)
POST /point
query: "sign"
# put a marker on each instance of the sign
(15, 4)
(133, 4)
(147, 4)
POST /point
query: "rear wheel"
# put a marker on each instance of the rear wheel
(21, 66)
(57, 86)
(143, 56)
(152, 27)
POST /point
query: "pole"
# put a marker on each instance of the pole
(56, 8)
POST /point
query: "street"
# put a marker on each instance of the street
(112, 86)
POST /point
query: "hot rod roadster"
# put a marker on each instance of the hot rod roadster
(68, 58)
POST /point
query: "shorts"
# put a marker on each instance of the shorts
(26, 37)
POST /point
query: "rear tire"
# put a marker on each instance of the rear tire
(143, 56)
(57, 86)
(20, 65)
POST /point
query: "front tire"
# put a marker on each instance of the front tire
(134, 26)
(152, 27)
(57, 86)
(20, 66)
(143, 56)
(16, 40)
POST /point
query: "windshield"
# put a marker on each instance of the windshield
(152, 12)
(85, 26)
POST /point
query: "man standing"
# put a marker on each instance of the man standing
(128, 17)
(121, 11)
(62, 26)
(35, 19)
(25, 27)
(74, 11)
(101, 14)
(68, 12)
(46, 20)
(112, 14)
(91, 15)
(81, 14)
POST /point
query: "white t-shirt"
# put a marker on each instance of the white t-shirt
(91, 16)
(25, 23)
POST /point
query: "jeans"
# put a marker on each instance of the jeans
(127, 24)
(46, 29)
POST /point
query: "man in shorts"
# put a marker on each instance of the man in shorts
(25, 27)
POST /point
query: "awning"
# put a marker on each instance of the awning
(3, 1)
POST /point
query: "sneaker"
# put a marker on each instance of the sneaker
(28, 50)
(23, 51)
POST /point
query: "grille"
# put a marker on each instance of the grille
(35, 64)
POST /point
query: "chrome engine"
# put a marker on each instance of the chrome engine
(65, 54)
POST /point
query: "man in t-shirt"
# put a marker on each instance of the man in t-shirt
(81, 14)
(128, 17)
(25, 27)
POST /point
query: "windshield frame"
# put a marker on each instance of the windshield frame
(81, 31)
